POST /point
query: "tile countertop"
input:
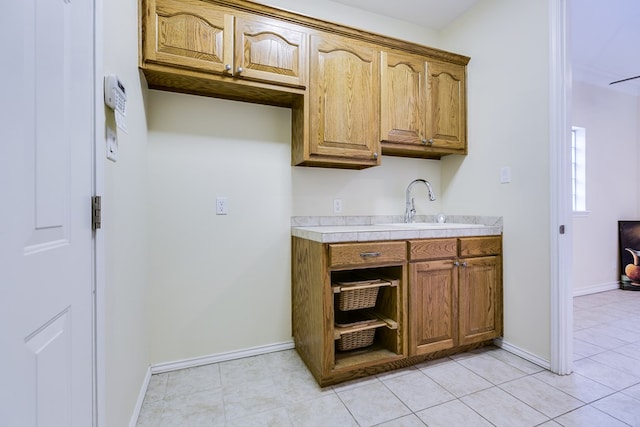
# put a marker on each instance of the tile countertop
(333, 229)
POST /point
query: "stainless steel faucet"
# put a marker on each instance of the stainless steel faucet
(410, 208)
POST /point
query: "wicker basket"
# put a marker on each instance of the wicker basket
(355, 340)
(358, 298)
(358, 338)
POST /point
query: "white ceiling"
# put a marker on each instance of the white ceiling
(605, 34)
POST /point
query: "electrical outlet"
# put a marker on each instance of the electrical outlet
(221, 206)
(337, 206)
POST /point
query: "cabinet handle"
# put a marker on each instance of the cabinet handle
(227, 67)
(370, 254)
(464, 264)
(375, 155)
(240, 70)
(430, 142)
(456, 264)
(424, 141)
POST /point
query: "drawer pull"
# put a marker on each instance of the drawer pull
(366, 255)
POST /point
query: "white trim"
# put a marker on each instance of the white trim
(500, 342)
(143, 391)
(560, 251)
(159, 368)
(594, 289)
(99, 143)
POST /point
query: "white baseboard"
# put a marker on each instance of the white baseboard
(141, 394)
(159, 368)
(220, 357)
(594, 289)
(500, 342)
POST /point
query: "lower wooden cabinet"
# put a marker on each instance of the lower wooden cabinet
(340, 330)
(433, 307)
(479, 299)
(455, 300)
(363, 308)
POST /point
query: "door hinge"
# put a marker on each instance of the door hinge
(96, 212)
(562, 229)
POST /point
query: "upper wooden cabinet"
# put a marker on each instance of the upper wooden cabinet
(354, 95)
(227, 45)
(343, 92)
(422, 106)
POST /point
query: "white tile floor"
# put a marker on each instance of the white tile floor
(490, 387)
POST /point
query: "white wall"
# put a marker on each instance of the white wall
(124, 224)
(612, 151)
(222, 283)
(508, 109)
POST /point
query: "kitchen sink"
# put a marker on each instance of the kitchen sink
(430, 225)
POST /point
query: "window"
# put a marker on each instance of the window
(578, 169)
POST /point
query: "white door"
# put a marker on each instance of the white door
(46, 241)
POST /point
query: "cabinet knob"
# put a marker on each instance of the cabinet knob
(456, 264)
(464, 264)
(430, 142)
(424, 141)
(375, 155)
(227, 67)
(240, 70)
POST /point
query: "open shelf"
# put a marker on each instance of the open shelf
(366, 316)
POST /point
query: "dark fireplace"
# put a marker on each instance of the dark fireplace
(629, 238)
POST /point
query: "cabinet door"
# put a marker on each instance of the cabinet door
(403, 99)
(187, 34)
(344, 103)
(270, 50)
(480, 299)
(433, 308)
(447, 110)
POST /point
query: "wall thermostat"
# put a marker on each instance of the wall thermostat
(115, 95)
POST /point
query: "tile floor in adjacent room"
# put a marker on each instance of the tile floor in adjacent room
(484, 388)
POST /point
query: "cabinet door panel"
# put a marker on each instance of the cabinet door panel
(344, 79)
(270, 50)
(190, 36)
(433, 309)
(402, 99)
(447, 111)
(480, 299)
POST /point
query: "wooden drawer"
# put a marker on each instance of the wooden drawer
(354, 254)
(433, 249)
(479, 246)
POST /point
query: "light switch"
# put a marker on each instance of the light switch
(505, 175)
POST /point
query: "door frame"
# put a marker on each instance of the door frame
(99, 261)
(561, 250)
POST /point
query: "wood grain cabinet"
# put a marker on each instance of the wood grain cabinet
(353, 95)
(434, 297)
(331, 336)
(423, 106)
(229, 46)
(455, 293)
(342, 105)
(479, 289)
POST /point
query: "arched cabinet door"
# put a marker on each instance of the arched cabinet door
(446, 103)
(344, 101)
